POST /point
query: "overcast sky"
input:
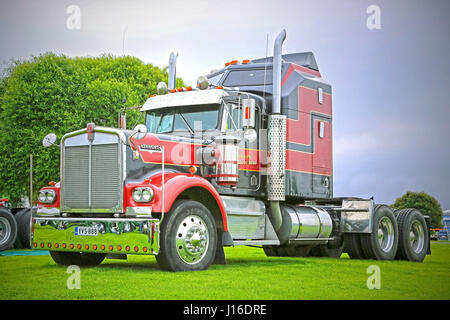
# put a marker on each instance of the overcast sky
(391, 85)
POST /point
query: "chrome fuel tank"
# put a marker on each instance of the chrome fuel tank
(304, 222)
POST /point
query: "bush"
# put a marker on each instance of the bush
(51, 93)
(427, 204)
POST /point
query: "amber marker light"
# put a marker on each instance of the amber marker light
(192, 170)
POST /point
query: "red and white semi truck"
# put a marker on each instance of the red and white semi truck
(243, 159)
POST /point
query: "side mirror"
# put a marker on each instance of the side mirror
(202, 83)
(161, 88)
(248, 113)
(49, 140)
(139, 131)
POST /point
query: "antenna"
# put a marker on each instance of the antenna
(123, 40)
(122, 113)
(265, 66)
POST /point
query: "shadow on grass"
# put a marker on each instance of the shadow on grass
(267, 261)
(232, 263)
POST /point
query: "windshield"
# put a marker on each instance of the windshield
(191, 119)
(253, 77)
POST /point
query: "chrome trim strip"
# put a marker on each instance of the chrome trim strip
(136, 211)
(42, 211)
(90, 176)
(94, 219)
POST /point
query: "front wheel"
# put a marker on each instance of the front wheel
(188, 239)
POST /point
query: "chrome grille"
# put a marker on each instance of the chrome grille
(91, 176)
(105, 176)
(76, 177)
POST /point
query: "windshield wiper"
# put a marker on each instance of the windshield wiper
(187, 125)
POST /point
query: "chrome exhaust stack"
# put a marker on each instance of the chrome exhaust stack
(277, 138)
(277, 63)
(172, 70)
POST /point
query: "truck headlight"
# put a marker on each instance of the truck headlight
(143, 194)
(47, 196)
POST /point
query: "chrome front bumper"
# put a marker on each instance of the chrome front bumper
(113, 235)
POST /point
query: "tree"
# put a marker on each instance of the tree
(427, 204)
(55, 93)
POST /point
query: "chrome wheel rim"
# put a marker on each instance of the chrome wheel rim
(386, 234)
(192, 239)
(417, 237)
(5, 230)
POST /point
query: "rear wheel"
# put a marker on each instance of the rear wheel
(81, 259)
(382, 242)
(188, 238)
(8, 229)
(413, 235)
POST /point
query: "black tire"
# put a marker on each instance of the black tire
(81, 259)
(352, 245)
(23, 218)
(8, 229)
(411, 224)
(382, 242)
(179, 249)
(18, 243)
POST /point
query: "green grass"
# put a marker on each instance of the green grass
(249, 274)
